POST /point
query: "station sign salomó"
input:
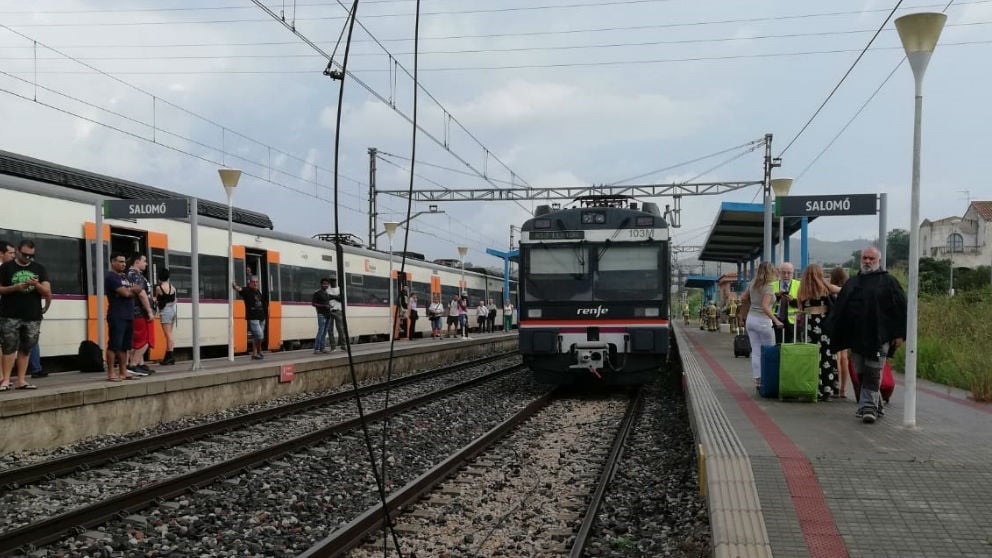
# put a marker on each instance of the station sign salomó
(825, 206)
(146, 209)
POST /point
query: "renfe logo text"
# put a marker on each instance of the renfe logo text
(595, 312)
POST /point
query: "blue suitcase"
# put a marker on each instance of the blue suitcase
(770, 358)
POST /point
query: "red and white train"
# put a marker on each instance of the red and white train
(55, 205)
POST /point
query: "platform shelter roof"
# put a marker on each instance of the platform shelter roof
(737, 233)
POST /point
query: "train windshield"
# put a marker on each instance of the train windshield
(621, 272)
(629, 273)
(557, 273)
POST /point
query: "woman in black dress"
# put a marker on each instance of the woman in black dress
(814, 303)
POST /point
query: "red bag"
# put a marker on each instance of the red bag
(888, 381)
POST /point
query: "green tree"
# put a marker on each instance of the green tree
(897, 247)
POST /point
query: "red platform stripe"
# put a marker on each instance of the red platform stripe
(819, 529)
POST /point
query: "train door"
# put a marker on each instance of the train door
(400, 320)
(264, 264)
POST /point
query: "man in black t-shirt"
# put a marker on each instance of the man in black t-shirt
(121, 295)
(255, 312)
(322, 304)
(23, 285)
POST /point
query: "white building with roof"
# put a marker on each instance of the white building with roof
(967, 240)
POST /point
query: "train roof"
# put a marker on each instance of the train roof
(22, 166)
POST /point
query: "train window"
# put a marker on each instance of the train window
(181, 273)
(367, 290)
(298, 283)
(63, 257)
(629, 273)
(557, 273)
(275, 282)
(214, 282)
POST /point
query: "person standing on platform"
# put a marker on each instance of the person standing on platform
(321, 301)
(411, 329)
(759, 320)
(838, 277)
(256, 313)
(481, 315)
(453, 322)
(165, 298)
(144, 324)
(436, 313)
(814, 302)
(121, 295)
(732, 308)
(23, 285)
(869, 318)
(507, 315)
(336, 322)
(787, 295)
(463, 315)
(491, 317)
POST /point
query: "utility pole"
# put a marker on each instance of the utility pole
(770, 163)
(372, 195)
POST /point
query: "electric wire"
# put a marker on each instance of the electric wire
(844, 77)
(859, 111)
(551, 66)
(383, 154)
(495, 10)
(339, 252)
(459, 51)
(689, 162)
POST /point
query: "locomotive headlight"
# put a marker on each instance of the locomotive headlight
(646, 312)
(533, 312)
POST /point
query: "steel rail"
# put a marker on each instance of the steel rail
(54, 468)
(606, 476)
(372, 520)
(54, 528)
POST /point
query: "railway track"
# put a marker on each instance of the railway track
(42, 531)
(547, 479)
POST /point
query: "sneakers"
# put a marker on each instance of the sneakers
(39, 374)
(145, 369)
(136, 371)
(256, 357)
(868, 416)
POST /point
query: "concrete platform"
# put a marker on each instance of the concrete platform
(808, 479)
(70, 406)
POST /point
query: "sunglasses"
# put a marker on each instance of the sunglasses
(27, 256)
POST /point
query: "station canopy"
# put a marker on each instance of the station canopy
(737, 233)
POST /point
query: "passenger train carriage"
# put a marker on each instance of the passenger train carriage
(55, 205)
(595, 284)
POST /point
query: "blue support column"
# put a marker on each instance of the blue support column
(804, 242)
(506, 267)
(785, 253)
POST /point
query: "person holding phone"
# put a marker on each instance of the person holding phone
(786, 304)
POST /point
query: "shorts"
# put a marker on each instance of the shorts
(144, 333)
(121, 333)
(257, 329)
(452, 320)
(19, 335)
(168, 314)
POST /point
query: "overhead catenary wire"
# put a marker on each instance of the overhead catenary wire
(844, 77)
(379, 475)
(502, 50)
(689, 162)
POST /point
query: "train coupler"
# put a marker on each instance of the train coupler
(592, 357)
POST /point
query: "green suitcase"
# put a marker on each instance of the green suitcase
(799, 371)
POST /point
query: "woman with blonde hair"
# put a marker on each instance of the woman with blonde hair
(838, 276)
(759, 319)
(814, 303)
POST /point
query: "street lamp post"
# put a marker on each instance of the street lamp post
(390, 231)
(462, 250)
(919, 34)
(781, 187)
(229, 178)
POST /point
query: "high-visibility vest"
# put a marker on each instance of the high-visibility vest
(793, 294)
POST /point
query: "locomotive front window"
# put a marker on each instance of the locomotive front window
(629, 273)
(557, 273)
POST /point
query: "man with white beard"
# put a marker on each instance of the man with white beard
(869, 318)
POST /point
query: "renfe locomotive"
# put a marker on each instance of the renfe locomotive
(594, 294)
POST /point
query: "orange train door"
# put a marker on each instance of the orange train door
(97, 271)
(275, 300)
(240, 321)
(158, 244)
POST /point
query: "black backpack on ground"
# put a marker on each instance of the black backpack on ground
(90, 358)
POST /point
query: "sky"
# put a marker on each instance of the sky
(516, 93)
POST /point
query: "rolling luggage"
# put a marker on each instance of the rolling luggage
(888, 384)
(769, 371)
(799, 370)
(742, 344)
